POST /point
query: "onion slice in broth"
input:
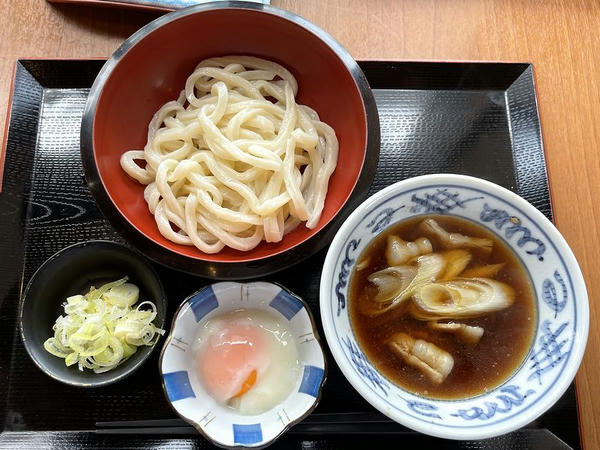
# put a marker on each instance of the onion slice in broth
(455, 240)
(456, 261)
(434, 362)
(398, 251)
(464, 332)
(487, 271)
(393, 288)
(460, 298)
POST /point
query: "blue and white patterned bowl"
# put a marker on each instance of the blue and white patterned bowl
(561, 300)
(220, 424)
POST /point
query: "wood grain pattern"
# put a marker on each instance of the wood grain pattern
(560, 37)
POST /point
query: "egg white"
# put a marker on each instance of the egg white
(279, 378)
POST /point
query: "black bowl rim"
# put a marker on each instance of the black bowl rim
(286, 428)
(60, 254)
(228, 270)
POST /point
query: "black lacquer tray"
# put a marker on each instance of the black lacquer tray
(479, 119)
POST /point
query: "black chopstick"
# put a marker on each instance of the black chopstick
(313, 419)
(315, 424)
(346, 423)
(157, 423)
(187, 430)
(300, 429)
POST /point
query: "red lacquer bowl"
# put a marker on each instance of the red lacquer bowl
(151, 67)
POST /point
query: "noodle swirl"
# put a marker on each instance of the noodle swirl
(234, 160)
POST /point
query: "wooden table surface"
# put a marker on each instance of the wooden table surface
(561, 39)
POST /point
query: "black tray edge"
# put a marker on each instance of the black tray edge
(43, 82)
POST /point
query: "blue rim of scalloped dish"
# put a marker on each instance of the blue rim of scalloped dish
(292, 423)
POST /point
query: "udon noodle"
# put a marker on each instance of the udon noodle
(235, 160)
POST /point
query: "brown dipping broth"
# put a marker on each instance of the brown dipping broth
(477, 367)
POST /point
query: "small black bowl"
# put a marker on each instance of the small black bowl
(72, 271)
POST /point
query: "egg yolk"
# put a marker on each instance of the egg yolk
(232, 360)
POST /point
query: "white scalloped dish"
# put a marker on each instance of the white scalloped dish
(188, 392)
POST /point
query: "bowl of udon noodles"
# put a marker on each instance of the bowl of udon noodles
(454, 306)
(229, 139)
